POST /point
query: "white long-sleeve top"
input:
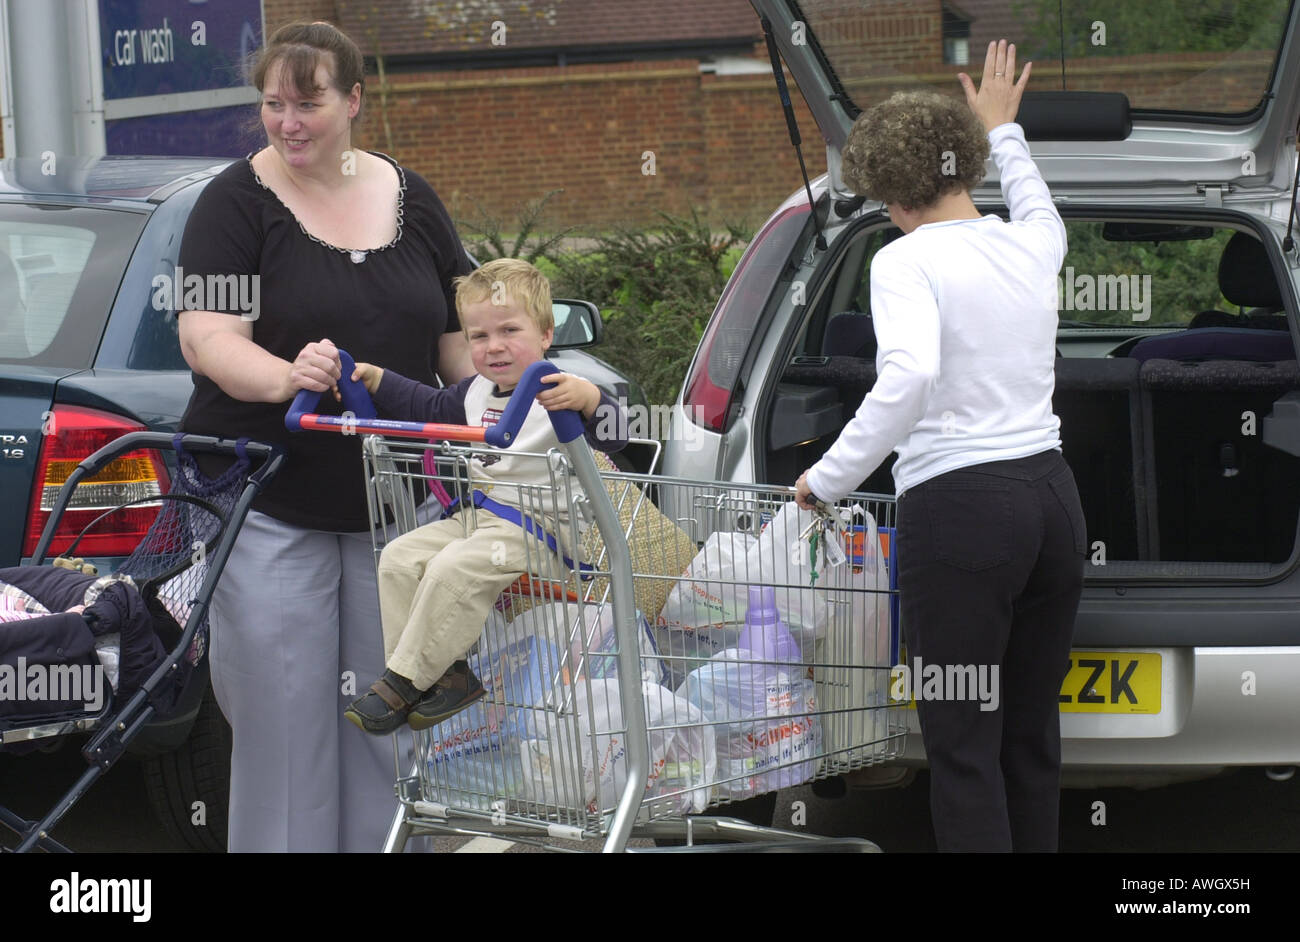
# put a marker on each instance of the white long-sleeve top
(965, 318)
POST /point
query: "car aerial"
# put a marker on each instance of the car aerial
(86, 356)
(1176, 381)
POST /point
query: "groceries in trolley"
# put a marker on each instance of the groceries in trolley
(587, 630)
(800, 555)
(474, 756)
(552, 681)
(719, 696)
(567, 764)
(766, 697)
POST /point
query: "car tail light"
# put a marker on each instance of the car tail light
(711, 382)
(74, 434)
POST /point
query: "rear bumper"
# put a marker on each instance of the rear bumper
(1221, 707)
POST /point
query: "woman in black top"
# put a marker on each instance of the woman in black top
(336, 247)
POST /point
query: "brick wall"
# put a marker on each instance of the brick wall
(499, 138)
(502, 138)
(278, 12)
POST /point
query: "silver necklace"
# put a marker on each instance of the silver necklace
(356, 255)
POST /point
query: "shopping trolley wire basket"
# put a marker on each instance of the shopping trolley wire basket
(621, 701)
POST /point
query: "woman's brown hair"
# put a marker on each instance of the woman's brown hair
(914, 147)
(299, 48)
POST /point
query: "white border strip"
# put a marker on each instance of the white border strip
(117, 108)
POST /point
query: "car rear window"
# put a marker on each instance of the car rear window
(1123, 273)
(1193, 56)
(60, 268)
(1113, 282)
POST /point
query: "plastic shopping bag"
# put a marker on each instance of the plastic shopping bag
(773, 735)
(473, 758)
(587, 632)
(707, 594)
(786, 559)
(853, 686)
(577, 757)
(706, 607)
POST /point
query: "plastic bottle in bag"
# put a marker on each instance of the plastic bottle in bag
(765, 633)
(763, 690)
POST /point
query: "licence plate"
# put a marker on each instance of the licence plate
(1126, 682)
(1111, 682)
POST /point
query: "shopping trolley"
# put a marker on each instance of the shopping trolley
(632, 687)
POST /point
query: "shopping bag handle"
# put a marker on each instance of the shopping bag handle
(359, 413)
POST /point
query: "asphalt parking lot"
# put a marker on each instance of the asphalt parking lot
(1239, 811)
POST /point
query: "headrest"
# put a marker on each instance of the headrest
(1245, 276)
(849, 334)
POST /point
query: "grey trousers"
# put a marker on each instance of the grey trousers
(295, 635)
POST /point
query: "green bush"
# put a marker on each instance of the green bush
(656, 289)
(1183, 276)
(483, 235)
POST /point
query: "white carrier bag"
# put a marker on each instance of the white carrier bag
(592, 771)
(855, 697)
(706, 608)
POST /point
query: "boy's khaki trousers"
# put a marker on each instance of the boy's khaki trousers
(438, 583)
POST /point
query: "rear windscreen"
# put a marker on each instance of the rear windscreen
(1211, 57)
(60, 268)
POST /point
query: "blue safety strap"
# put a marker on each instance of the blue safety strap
(515, 516)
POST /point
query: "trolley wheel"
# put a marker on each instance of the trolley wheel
(189, 787)
(760, 810)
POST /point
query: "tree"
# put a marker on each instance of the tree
(1128, 28)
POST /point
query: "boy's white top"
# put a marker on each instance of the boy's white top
(499, 473)
(965, 318)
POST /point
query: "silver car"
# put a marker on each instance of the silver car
(1176, 384)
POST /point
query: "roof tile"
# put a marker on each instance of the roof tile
(432, 26)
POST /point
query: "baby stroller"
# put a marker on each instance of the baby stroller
(124, 660)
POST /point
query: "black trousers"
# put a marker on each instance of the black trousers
(990, 570)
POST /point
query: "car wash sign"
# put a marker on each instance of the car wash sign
(173, 75)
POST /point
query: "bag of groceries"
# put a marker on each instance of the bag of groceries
(576, 756)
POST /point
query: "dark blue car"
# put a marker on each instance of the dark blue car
(85, 356)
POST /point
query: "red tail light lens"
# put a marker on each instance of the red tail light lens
(76, 432)
(712, 379)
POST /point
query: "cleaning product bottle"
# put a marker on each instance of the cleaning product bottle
(765, 633)
(761, 690)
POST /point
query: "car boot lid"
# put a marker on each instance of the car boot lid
(1239, 152)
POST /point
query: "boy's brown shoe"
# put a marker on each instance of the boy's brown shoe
(454, 691)
(383, 708)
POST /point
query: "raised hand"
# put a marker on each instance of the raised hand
(998, 99)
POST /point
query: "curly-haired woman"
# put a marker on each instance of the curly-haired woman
(991, 537)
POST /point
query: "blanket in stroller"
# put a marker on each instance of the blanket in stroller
(66, 662)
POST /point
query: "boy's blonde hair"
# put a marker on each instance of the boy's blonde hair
(506, 279)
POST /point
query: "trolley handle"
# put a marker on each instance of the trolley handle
(360, 416)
